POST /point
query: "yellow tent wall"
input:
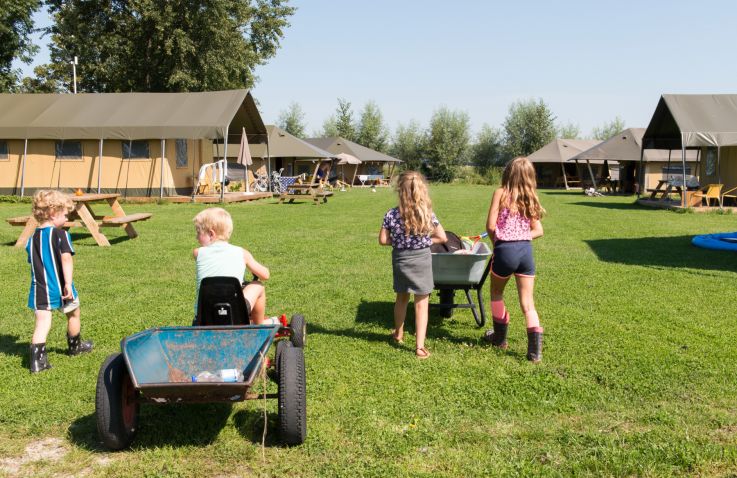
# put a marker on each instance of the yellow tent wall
(726, 171)
(133, 177)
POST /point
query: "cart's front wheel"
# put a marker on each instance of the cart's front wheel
(447, 296)
(299, 330)
(292, 396)
(116, 407)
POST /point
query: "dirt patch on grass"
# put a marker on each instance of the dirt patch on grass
(47, 449)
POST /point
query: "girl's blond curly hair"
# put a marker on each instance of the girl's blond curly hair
(47, 202)
(415, 206)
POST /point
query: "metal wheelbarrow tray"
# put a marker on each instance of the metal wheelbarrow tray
(158, 365)
(466, 272)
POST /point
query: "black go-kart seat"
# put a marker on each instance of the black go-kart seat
(221, 302)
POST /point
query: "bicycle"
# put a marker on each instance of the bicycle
(260, 183)
(276, 185)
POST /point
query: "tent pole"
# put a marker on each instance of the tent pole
(719, 165)
(99, 165)
(268, 166)
(248, 190)
(161, 182)
(591, 173)
(683, 161)
(565, 181)
(224, 169)
(668, 167)
(640, 182)
(23, 169)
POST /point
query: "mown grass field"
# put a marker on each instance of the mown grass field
(639, 374)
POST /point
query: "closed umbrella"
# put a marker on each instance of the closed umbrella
(244, 156)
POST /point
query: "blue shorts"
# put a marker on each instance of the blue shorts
(513, 257)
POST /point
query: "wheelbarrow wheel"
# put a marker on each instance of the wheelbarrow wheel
(299, 330)
(447, 296)
(281, 345)
(292, 396)
(116, 406)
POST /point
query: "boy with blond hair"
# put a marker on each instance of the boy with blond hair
(50, 255)
(217, 258)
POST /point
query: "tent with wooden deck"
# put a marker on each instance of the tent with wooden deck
(373, 164)
(550, 162)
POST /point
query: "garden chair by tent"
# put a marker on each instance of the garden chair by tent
(712, 192)
(730, 193)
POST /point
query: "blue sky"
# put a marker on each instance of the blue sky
(589, 61)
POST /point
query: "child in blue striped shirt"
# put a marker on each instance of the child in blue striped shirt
(50, 255)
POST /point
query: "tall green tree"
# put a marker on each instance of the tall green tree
(488, 150)
(447, 143)
(372, 132)
(163, 45)
(408, 145)
(16, 26)
(292, 120)
(529, 126)
(568, 131)
(344, 124)
(607, 130)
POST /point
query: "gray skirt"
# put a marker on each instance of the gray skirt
(412, 271)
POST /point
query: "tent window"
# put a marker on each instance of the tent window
(3, 149)
(68, 150)
(711, 161)
(136, 149)
(182, 158)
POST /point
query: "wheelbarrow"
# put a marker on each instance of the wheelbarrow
(467, 272)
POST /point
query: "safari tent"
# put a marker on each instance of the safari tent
(617, 160)
(294, 155)
(135, 144)
(705, 123)
(550, 162)
(373, 163)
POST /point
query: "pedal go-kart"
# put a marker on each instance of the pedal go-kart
(167, 365)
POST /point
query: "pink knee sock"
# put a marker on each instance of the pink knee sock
(499, 312)
(533, 321)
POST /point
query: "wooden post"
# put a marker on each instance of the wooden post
(593, 179)
(565, 180)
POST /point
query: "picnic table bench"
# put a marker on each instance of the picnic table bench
(305, 191)
(83, 216)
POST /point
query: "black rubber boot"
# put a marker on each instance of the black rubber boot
(39, 359)
(535, 347)
(78, 346)
(497, 336)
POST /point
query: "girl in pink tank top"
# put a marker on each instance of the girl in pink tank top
(513, 222)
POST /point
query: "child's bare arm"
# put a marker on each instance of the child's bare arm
(384, 238)
(536, 229)
(195, 251)
(493, 213)
(438, 235)
(259, 270)
(67, 268)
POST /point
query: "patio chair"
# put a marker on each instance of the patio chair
(730, 193)
(712, 191)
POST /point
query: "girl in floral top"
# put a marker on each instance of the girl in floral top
(513, 222)
(411, 228)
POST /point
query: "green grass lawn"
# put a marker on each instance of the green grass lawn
(638, 377)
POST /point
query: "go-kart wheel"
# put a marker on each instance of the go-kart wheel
(447, 296)
(299, 330)
(281, 345)
(292, 396)
(116, 405)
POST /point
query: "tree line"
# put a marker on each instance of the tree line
(196, 45)
(446, 143)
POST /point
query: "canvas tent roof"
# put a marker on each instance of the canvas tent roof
(337, 145)
(286, 145)
(626, 146)
(128, 116)
(560, 150)
(693, 121)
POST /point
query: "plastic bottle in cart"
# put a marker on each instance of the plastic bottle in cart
(206, 376)
(230, 375)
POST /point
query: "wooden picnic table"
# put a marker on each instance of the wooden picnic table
(664, 188)
(84, 216)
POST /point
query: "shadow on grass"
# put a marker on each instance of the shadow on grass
(662, 252)
(250, 425)
(381, 314)
(166, 425)
(12, 345)
(614, 205)
(77, 236)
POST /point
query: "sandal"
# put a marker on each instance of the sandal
(397, 340)
(422, 353)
